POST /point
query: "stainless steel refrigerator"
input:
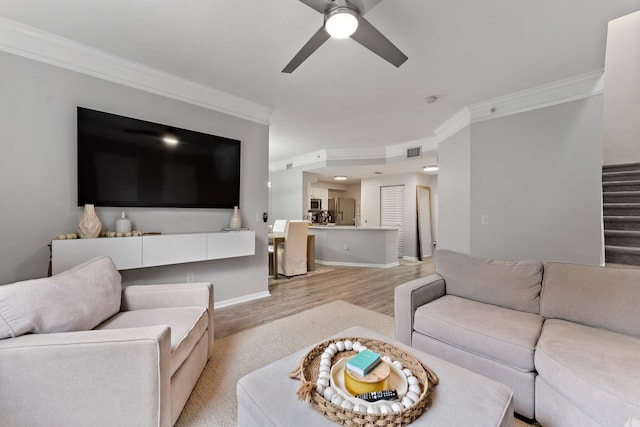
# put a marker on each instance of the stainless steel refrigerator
(342, 210)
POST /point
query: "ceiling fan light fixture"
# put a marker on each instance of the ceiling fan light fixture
(341, 22)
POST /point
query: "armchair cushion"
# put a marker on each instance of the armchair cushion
(187, 325)
(75, 300)
(514, 285)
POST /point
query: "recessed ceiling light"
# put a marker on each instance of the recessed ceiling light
(340, 178)
(430, 168)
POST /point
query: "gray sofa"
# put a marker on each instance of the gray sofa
(565, 337)
(77, 349)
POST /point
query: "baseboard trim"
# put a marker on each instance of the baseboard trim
(238, 300)
(357, 264)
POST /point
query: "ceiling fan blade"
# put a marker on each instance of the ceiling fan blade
(311, 46)
(372, 39)
(363, 6)
(321, 6)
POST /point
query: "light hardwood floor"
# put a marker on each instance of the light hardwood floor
(371, 288)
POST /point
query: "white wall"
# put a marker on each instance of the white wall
(536, 175)
(370, 206)
(38, 174)
(288, 194)
(454, 192)
(622, 91)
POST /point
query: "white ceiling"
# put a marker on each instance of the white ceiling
(344, 95)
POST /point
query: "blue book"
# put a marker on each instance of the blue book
(363, 362)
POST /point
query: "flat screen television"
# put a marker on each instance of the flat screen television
(127, 162)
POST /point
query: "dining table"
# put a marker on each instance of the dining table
(275, 238)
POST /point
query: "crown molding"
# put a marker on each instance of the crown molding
(29, 42)
(453, 124)
(546, 95)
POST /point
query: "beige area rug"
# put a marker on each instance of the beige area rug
(320, 269)
(213, 401)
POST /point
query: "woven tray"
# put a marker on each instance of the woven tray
(308, 371)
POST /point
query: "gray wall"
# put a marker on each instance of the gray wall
(454, 192)
(38, 174)
(537, 177)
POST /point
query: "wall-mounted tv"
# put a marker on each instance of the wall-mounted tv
(127, 162)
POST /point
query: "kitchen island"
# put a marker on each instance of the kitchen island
(356, 246)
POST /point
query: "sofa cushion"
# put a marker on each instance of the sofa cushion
(187, 324)
(74, 300)
(513, 285)
(596, 370)
(602, 297)
(498, 333)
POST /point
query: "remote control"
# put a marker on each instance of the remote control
(379, 395)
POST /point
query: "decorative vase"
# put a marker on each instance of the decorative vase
(123, 224)
(89, 225)
(236, 221)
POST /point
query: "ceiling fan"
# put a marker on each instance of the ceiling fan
(342, 19)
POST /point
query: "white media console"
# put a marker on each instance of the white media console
(153, 250)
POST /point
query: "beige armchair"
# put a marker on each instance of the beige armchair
(292, 254)
(76, 349)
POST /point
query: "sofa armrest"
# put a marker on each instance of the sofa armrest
(142, 297)
(113, 377)
(411, 295)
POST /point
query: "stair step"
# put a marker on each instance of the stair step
(621, 209)
(622, 255)
(633, 185)
(627, 238)
(621, 196)
(622, 222)
(621, 167)
(620, 176)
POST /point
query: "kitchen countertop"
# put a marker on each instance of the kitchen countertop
(349, 227)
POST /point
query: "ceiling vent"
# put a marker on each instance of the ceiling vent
(414, 152)
(289, 165)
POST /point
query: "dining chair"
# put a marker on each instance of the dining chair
(279, 225)
(292, 253)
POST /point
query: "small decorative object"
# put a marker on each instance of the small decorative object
(236, 221)
(89, 225)
(412, 381)
(123, 224)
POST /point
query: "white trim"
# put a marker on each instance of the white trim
(558, 92)
(355, 153)
(410, 258)
(238, 300)
(357, 264)
(453, 124)
(33, 43)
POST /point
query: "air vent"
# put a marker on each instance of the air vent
(414, 152)
(289, 165)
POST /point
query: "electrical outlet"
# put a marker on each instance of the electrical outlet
(484, 219)
(346, 247)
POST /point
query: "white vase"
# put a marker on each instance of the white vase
(89, 225)
(123, 224)
(236, 221)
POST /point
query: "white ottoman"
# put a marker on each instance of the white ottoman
(267, 397)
